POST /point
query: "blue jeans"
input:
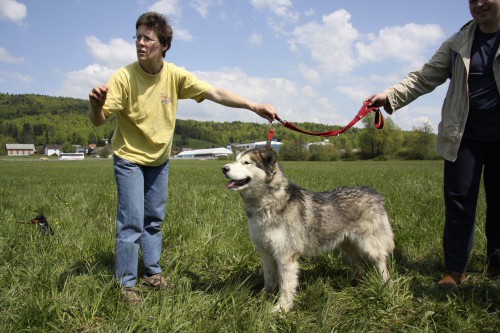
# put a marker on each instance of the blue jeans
(142, 206)
(462, 180)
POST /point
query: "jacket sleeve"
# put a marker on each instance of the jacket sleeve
(432, 74)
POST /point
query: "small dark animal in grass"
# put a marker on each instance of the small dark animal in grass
(42, 222)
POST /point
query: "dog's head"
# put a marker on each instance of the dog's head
(39, 219)
(42, 222)
(252, 167)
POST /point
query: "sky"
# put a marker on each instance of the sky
(314, 60)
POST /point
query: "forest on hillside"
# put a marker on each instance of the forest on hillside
(41, 120)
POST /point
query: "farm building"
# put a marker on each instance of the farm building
(18, 149)
(52, 149)
(205, 153)
(260, 144)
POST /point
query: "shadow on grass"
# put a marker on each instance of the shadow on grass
(421, 275)
(216, 281)
(311, 270)
(479, 288)
(426, 266)
(100, 264)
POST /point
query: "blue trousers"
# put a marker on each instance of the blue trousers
(462, 180)
(142, 206)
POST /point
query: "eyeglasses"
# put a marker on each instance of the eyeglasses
(145, 38)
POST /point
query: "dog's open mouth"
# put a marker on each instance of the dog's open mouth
(235, 184)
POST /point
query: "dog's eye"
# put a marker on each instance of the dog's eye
(246, 162)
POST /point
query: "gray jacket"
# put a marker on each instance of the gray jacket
(451, 59)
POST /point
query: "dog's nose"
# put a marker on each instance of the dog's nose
(225, 169)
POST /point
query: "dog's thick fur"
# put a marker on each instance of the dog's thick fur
(286, 221)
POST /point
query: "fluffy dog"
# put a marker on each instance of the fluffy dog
(286, 221)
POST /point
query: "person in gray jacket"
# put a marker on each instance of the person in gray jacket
(468, 134)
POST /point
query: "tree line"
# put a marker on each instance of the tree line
(41, 120)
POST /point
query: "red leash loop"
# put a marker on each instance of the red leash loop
(379, 122)
(270, 136)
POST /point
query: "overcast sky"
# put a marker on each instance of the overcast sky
(314, 60)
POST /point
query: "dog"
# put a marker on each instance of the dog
(287, 222)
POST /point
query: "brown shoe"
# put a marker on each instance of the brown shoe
(132, 295)
(156, 281)
(451, 279)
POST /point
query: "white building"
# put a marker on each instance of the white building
(260, 144)
(52, 150)
(320, 143)
(205, 153)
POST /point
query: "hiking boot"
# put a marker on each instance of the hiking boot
(132, 295)
(156, 281)
(451, 279)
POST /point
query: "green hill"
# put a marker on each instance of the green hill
(41, 120)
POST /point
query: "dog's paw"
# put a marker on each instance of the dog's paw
(280, 308)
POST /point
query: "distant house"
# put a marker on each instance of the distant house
(52, 149)
(205, 153)
(18, 149)
(87, 150)
(260, 144)
(90, 149)
(320, 143)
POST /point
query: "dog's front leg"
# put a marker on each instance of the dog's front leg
(288, 271)
(270, 271)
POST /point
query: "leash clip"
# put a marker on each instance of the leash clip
(270, 136)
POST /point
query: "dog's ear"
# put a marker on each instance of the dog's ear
(269, 157)
(236, 150)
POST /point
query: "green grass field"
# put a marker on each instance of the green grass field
(65, 283)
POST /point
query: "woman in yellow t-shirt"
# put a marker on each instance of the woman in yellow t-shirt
(143, 96)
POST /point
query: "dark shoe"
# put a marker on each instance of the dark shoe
(132, 295)
(493, 272)
(156, 281)
(451, 279)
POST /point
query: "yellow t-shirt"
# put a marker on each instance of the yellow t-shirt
(146, 106)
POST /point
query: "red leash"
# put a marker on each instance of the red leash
(365, 110)
(379, 122)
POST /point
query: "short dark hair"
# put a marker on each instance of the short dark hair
(159, 24)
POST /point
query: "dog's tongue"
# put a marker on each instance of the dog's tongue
(232, 185)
